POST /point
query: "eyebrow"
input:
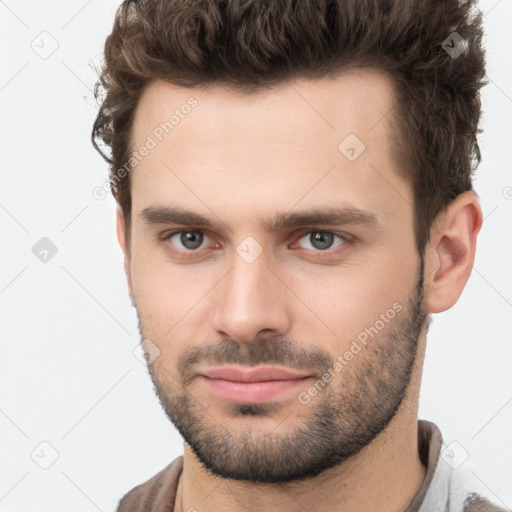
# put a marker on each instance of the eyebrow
(282, 221)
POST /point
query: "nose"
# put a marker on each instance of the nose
(249, 302)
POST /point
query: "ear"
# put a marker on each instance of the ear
(121, 237)
(450, 253)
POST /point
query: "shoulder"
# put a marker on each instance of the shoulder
(477, 503)
(472, 494)
(450, 485)
(158, 489)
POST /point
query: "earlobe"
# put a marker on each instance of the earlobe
(451, 252)
(121, 237)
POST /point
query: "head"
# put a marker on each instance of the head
(294, 190)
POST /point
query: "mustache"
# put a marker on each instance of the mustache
(269, 351)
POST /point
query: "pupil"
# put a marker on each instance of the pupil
(321, 240)
(191, 239)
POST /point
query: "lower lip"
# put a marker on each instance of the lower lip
(253, 392)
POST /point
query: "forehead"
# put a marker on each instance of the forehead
(281, 141)
(294, 111)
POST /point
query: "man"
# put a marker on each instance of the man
(295, 201)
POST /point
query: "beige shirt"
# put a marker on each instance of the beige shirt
(443, 490)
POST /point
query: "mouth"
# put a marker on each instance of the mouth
(251, 386)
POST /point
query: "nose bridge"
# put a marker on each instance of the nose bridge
(246, 278)
(247, 300)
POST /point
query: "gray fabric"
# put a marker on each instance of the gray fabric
(457, 490)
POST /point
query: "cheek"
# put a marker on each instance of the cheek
(168, 297)
(155, 293)
(344, 302)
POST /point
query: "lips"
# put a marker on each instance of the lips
(252, 386)
(266, 373)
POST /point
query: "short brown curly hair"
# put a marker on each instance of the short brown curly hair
(432, 50)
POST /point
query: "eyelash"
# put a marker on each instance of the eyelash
(347, 240)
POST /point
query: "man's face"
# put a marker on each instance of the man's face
(335, 299)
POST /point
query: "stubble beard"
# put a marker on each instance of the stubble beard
(341, 420)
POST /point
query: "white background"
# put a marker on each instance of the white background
(68, 375)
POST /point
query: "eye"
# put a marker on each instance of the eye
(322, 240)
(190, 240)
